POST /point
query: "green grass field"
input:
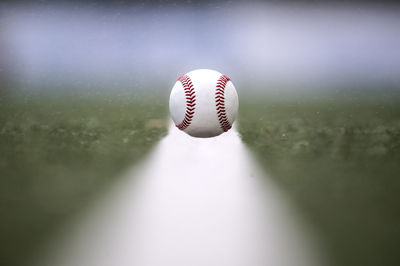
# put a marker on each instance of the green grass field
(337, 159)
(57, 154)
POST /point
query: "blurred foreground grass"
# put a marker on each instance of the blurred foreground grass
(339, 161)
(57, 153)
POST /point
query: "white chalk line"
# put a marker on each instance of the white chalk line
(193, 202)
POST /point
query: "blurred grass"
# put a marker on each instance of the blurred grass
(339, 161)
(57, 153)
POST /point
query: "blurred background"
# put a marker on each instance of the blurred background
(84, 91)
(118, 45)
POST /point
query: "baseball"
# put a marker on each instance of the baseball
(203, 103)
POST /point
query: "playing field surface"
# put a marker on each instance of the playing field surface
(335, 159)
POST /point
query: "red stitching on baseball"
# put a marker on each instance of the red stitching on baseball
(190, 101)
(220, 103)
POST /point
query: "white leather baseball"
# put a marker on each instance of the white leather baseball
(203, 103)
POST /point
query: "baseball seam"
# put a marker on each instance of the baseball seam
(190, 101)
(220, 103)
